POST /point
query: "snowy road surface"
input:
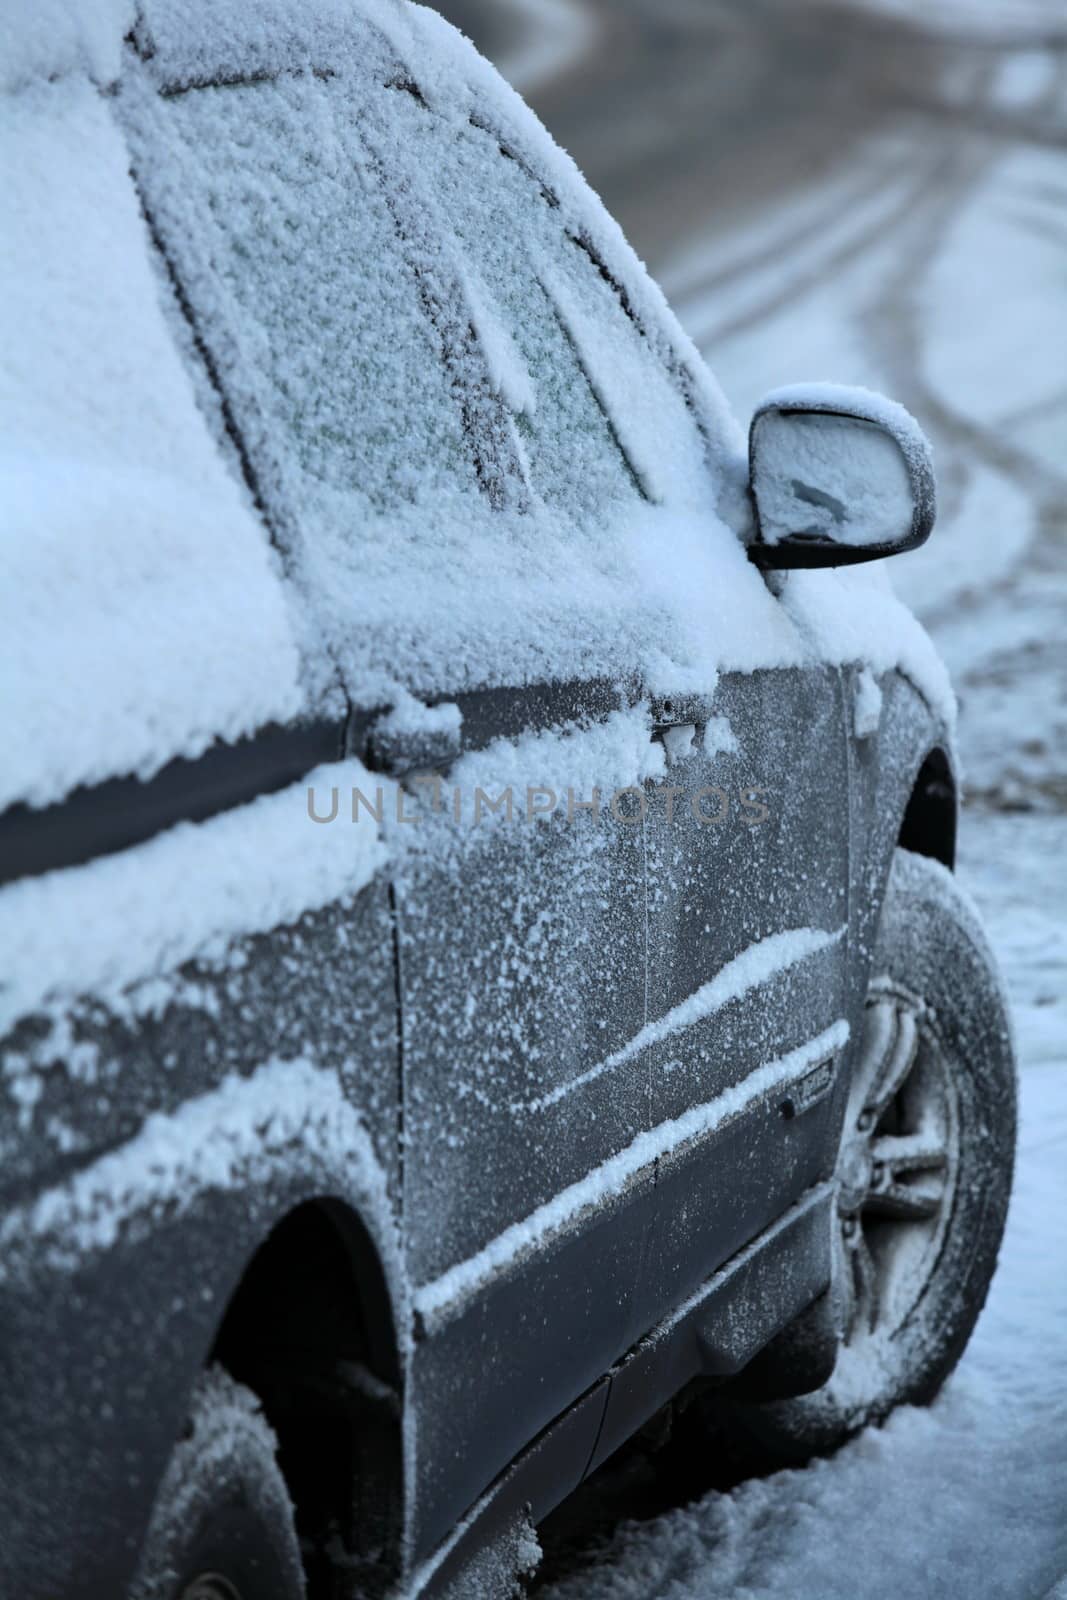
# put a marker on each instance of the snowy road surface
(878, 194)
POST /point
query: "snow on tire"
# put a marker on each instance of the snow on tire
(924, 1172)
(223, 1519)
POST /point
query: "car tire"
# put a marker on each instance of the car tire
(222, 1527)
(923, 1179)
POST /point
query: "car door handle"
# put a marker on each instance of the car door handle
(668, 711)
(397, 746)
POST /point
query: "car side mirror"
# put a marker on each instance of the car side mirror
(838, 475)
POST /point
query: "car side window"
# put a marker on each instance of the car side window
(436, 394)
(508, 251)
(603, 418)
(282, 233)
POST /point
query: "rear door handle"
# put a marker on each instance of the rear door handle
(416, 740)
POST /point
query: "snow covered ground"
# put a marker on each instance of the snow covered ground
(558, 32)
(968, 1500)
(928, 259)
(532, 42)
(999, 20)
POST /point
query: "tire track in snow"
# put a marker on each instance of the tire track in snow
(684, 286)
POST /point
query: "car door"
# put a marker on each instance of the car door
(748, 913)
(522, 938)
(549, 973)
(747, 853)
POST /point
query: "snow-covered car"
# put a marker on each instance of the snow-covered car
(482, 963)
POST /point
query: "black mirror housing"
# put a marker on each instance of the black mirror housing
(838, 475)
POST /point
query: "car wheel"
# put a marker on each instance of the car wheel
(923, 1176)
(222, 1527)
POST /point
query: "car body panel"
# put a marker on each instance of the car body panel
(557, 1162)
(120, 1252)
(275, 997)
(522, 955)
(104, 1340)
(747, 953)
(715, 1331)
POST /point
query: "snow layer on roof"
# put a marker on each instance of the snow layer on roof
(190, 892)
(49, 38)
(141, 614)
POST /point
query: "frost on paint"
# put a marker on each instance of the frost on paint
(288, 1115)
(852, 615)
(190, 892)
(751, 970)
(440, 1300)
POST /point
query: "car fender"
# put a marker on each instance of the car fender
(129, 1290)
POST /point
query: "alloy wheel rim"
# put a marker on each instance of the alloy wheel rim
(897, 1169)
(210, 1586)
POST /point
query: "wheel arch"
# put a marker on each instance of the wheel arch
(310, 1328)
(929, 824)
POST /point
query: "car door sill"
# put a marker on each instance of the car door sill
(714, 1333)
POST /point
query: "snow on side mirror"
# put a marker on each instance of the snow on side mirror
(838, 475)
